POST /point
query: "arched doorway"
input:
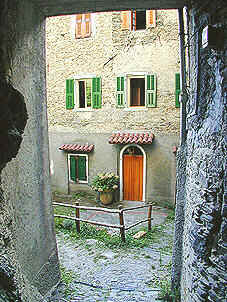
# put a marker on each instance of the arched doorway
(132, 173)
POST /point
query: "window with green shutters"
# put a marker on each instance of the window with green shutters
(151, 90)
(69, 94)
(120, 92)
(96, 93)
(141, 91)
(177, 90)
(78, 168)
(84, 93)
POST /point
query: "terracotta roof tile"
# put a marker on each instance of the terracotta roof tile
(76, 147)
(131, 138)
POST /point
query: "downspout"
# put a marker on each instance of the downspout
(183, 97)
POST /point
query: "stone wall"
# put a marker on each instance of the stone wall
(28, 254)
(153, 50)
(203, 275)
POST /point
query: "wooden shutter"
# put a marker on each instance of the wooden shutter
(82, 175)
(133, 20)
(125, 20)
(73, 168)
(151, 90)
(87, 25)
(78, 29)
(177, 90)
(69, 94)
(120, 94)
(151, 18)
(96, 93)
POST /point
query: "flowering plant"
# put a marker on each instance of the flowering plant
(105, 182)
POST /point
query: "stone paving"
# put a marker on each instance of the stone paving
(103, 275)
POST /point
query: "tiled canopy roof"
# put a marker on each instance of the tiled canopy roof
(77, 147)
(131, 138)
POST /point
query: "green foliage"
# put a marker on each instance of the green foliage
(105, 182)
(109, 240)
(171, 216)
(166, 293)
(67, 278)
(79, 194)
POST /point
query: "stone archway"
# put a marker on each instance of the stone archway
(22, 23)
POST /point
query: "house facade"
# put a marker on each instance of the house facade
(113, 90)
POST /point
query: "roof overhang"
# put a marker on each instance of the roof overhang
(131, 138)
(77, 148)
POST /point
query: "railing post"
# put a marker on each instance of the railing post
(78, 217)
(149, 217)
(121, 218)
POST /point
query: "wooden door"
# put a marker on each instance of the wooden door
(133, 177)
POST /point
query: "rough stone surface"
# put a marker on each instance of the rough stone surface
(153, 50)
(104, 275)
(27, 237)
(203, 275)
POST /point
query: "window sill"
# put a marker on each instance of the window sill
(83, 109)
(78, 183)
(136, 109)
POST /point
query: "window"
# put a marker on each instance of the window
(138, 19)
(137, 91)
(141, 91)
(84, 93)
(78, 168)
(82, 26)
(177, 90)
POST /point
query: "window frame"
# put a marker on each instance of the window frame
(128, 86)
(76, 91)
(69, 168)
(126, 92)
(128, 19)
(73, 27)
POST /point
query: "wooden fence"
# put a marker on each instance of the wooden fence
(120, 211)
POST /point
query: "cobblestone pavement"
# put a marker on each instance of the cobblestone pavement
(102, 275)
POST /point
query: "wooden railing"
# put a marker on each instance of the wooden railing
(120, 211)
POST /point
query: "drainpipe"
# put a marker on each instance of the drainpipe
(183, 97)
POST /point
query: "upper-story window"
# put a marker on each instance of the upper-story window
(83, 25)
(138, 19)
(84, 93)
(136, 90)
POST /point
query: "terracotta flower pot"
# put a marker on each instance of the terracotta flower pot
(106, 197)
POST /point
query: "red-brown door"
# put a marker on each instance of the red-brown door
(133, 177)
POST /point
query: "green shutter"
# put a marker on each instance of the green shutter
(69, 94)
(151, 91)
(120, 92)
(82, 173)
(177, 89)
(73, 168)
(96, 93)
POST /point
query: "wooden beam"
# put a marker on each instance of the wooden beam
(64, 7)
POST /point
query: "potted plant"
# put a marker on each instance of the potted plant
(105, 183)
